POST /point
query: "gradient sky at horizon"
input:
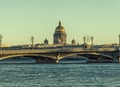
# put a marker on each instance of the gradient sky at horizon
(21, 19)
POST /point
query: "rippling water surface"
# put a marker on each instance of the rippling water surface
(59, 75)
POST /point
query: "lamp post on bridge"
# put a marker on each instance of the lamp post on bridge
(32, 42)
(92, 41)
(84, 40)
(119, 40)
(119, 49)
(1, 42)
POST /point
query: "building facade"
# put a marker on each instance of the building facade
(59, 35)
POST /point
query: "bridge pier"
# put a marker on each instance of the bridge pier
(56, 61)
(118, 57)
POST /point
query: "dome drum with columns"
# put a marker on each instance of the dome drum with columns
(59, 35)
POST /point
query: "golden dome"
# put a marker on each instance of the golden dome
(60, 28)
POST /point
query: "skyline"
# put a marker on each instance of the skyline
(22, 19)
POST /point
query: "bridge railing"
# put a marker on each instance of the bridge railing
(57, 50)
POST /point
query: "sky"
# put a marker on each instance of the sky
(22, 19)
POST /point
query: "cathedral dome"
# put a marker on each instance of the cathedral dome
(59, 35)
(60, 28)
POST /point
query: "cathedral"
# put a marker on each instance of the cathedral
(59, 35)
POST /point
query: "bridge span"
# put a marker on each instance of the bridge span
(58, 54)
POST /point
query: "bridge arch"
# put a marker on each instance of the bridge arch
(37, 57)
(96, 57)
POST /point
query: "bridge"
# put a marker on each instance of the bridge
(57, 54)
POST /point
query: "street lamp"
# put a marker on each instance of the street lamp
(1, 42)
(84, 39)
(32, 42)
(92, 40)
(119, 40)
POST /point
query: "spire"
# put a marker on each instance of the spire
(59, 23)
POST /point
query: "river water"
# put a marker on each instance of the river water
(29, 74)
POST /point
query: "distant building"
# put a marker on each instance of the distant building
(46, 42)
(59, 35)
(73, 42)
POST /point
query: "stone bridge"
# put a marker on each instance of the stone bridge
(56, 55)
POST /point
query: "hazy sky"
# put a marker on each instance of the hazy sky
(21, 19)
